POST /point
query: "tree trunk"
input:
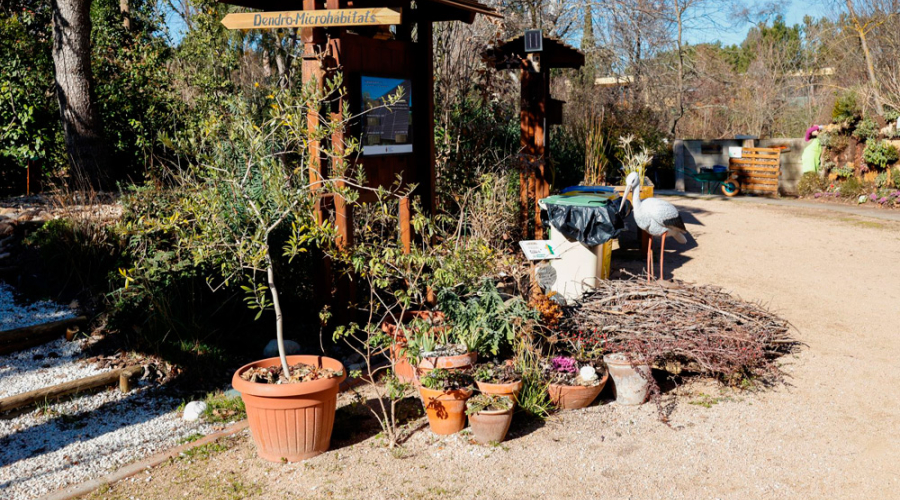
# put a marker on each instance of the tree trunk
(125, 8)
(80, 117)
(279, 321)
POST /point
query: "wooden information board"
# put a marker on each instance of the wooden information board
(312, 18)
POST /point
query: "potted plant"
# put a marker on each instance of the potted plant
(444, 394)
(290, 418)
(247, 207)
(432, 348)
(499, 379)
(490, 416)
(411, 322)
(631, 380)
(574, 385)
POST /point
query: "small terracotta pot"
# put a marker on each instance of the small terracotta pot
(291, 421)
(631, 384)
(510, 390)
(490, 426)
(446, 409)
(460, 362)
(573, 397)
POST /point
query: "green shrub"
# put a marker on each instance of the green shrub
(880, 153)
(866, 129)
(844, 172)
(891, 114)
(834, 142)
(845, 108)
(810, 184)
(853, 187)
(77, 258)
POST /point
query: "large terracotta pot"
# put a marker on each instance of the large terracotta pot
(446, 409)
(490, 426)
(460, 362)
(573, 397)
(510, 390)
(291, 421)
(631, 384)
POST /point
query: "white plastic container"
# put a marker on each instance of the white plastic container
(578, 267)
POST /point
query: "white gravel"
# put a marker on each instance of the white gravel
(80, 437)
(14, 314)
(83, 438)
(42, 366)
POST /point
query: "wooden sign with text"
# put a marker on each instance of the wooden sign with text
(312, 18)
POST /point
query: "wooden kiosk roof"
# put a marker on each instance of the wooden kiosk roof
(556, 54)
(437, 10)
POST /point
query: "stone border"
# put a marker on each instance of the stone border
(129, 470)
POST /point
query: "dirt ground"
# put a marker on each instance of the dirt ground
(832, 432)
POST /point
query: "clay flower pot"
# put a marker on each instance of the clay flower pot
(573, 397)
(459, 362)
(490, 426)
(631, 384)
(511, 389)
(402, 367)
(291, 421)
(446, 409)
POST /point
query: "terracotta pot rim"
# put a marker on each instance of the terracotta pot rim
(600, 384)
(499, 384)
(289, 390)
(432, 361)
(454, 394)
(493, 412)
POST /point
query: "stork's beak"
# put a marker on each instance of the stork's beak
(624, 197)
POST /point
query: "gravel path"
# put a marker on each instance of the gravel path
(830, 433)
(14, 314)
(78, 438)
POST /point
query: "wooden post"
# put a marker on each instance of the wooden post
(343, 219)
(405, 224)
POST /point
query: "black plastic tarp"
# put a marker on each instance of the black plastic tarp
(591, 225)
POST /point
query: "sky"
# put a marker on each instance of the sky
(793, 12)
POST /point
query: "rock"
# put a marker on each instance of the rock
(193, 410)
(290, 347)
(232, 394)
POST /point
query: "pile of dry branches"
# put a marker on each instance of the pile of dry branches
(683, 326)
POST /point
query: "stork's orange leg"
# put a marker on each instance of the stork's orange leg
(662, 254)
(650, 258)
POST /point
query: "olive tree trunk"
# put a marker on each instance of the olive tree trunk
(80, 116)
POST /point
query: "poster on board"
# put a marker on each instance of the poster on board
(387, 128)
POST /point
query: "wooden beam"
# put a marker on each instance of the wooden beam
(405, 225)
(30, 336)
(64, 389)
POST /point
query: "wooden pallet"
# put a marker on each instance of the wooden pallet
(758, 170)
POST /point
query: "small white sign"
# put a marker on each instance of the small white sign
(538, 250)
(735, 152)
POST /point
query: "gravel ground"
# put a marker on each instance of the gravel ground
(78, 438)
(831, 432)
(14, 314)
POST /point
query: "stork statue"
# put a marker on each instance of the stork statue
(657, 217)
